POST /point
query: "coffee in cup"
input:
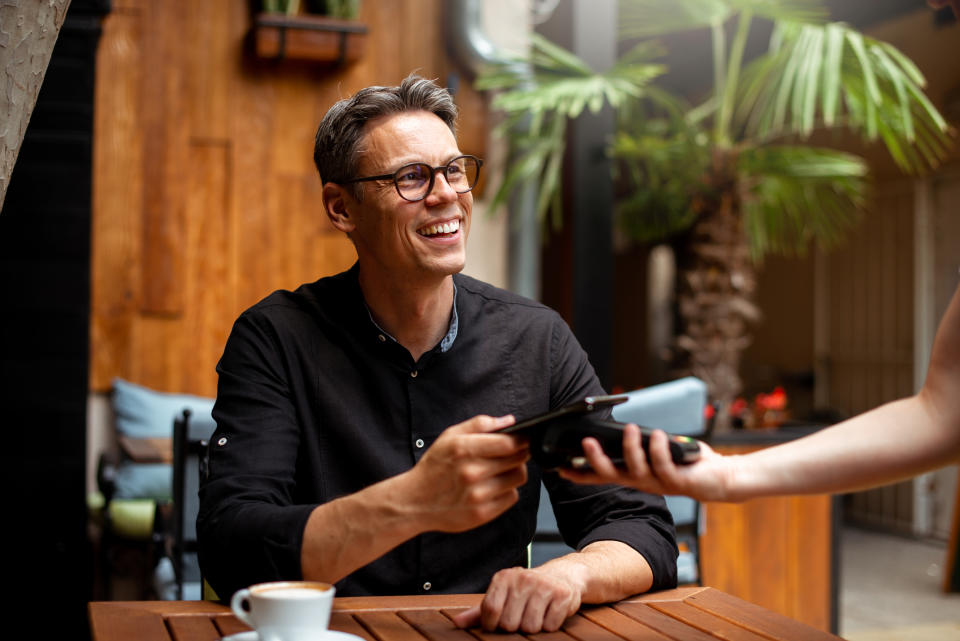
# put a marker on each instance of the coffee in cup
(285, 610)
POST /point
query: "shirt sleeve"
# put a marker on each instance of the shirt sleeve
(589, 513)
(249, 528)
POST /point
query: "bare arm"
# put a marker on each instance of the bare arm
(468, 477)
(542, 598)
(892, 442)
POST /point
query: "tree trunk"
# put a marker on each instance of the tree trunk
(28, 31)
(715, 290)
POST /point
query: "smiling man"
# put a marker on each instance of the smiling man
(356, 416)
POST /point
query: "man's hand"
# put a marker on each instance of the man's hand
(541, 599)
(527, 600)
(469, 476)
(708, 479)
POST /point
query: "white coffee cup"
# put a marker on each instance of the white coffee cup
(285, 610)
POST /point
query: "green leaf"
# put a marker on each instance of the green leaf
(644, 18)
(783, 10)
(831, 72)
(812, 78)
(795, 195)
(894, 76)
(873, 92)
(811, 74)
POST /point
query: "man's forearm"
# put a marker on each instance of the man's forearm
(345, 534)
(605, 571)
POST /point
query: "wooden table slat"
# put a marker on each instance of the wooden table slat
(583, 629)
(229, 624)
(193, 628)
(387, 626)
(345, 622)
(559, 635)
(663, 623)
(626, 626)
(705, 621)
(483, 635)
(753, 617)
(435, 626)
(127, 623)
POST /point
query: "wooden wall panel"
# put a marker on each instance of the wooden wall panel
(208, 315)
(163, 111)
(117, 197)
(871, 325)
(205, 194)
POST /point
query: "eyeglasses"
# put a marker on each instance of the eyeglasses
(415, 181)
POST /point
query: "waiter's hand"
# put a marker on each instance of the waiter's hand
(708, 479)
(469, 476)
(534, 600)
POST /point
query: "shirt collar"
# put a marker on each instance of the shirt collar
(447, 341)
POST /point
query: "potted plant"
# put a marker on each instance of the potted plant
(319, 31)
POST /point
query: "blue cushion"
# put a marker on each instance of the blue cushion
(143, 481)
(675, 407)
(141, 412)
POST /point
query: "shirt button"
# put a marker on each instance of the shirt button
(222, 441)
(419, 442)
(427, 586)
(413, 374)
(382, 338)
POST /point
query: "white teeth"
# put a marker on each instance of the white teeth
(443, 228)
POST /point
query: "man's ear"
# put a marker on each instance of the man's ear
(338, 201)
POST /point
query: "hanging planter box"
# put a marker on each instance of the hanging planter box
(306, 37)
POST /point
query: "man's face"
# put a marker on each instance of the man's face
(394, 234)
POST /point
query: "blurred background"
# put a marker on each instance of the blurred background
(165, 183)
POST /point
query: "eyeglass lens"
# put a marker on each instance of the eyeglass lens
(414, 181)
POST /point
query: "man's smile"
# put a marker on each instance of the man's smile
(437, 229)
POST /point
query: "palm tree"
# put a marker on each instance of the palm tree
(733, 173)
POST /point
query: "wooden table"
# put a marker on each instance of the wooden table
(694, 614)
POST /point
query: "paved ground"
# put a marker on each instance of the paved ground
(890, 590)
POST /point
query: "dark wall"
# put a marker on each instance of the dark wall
(44, 329)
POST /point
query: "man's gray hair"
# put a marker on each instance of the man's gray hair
(336, 149)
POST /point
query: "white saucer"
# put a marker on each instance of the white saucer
(326, 635)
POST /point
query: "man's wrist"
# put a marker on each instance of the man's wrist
(570, 569)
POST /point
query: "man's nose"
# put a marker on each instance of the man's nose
(442, 191)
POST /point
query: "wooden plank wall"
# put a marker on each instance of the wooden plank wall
(205, 195)
(871, 331)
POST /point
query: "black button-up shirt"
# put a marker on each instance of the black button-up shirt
(316, 402)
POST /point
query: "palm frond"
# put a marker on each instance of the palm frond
(650, 18)
(831, 75)
(561, 88)
(793, 196)
(662, 165)
(777, 10)
(646, 18)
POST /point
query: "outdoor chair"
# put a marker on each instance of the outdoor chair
(133, 497)
(676, 407)
(191, 436)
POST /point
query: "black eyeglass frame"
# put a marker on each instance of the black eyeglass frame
(433, 176)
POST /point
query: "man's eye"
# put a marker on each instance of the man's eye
(411, 174)
(454, 170)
